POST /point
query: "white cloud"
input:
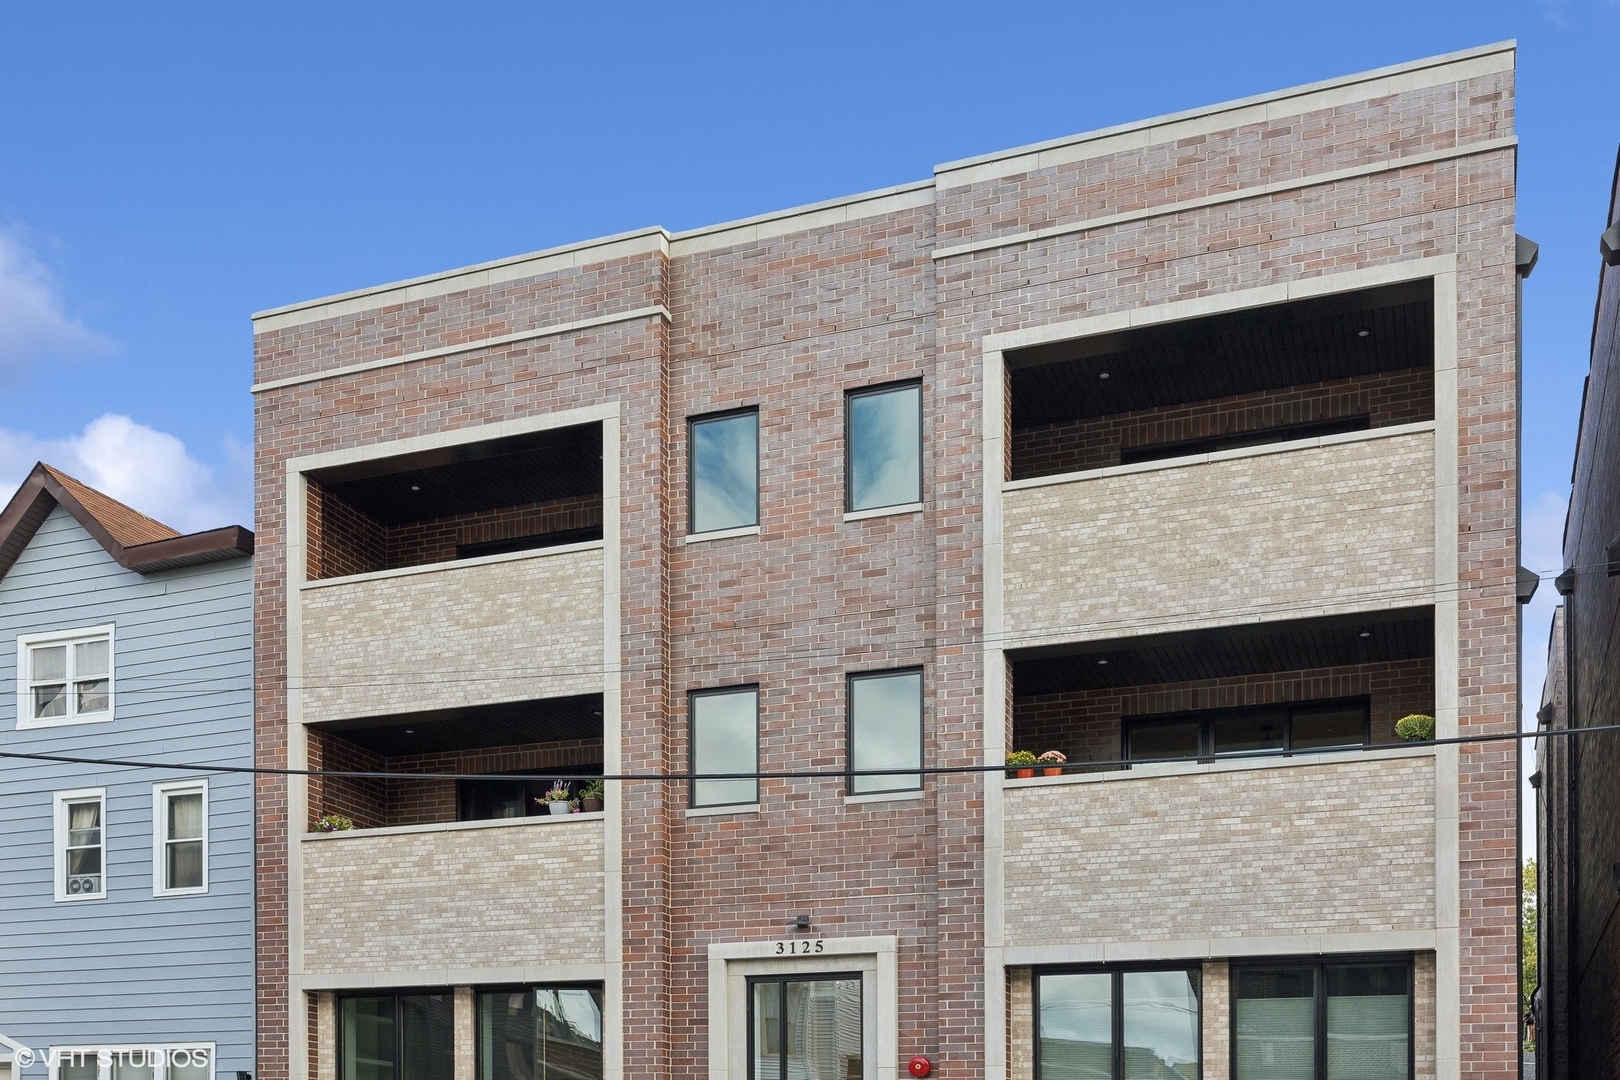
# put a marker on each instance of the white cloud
(34, 324)
(148, 469)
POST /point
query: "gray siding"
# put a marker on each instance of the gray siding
(132, 968)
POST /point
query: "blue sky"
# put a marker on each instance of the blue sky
(167, 169)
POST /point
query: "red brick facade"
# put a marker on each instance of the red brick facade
(789, 322)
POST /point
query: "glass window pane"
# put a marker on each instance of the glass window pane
(1160, 1016)
(92, 696)
(1313, 729)
(725, 739)
(506, 1035)
(885, 448)
(184, 865)
(133, 1064)
(189, 1065)
(1240, 732)
(725, 472)
(90, 658)
(427, 1037)
(1076, 1026)
(48, 663)
(823, 1029)
(570, 1021)
(185, 816)
(1274, 1023)
(1163, 742)
(50, 701)
(1368, 1036)
(765, 1024)
(77, 1065)
(368, 1038)
(885, 726)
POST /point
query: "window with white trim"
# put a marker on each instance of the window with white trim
(158, 1061)
(65, 677)
(180, 838)
(81, 844)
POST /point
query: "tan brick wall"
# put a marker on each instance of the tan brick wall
(1223, 854)
(1215, 1005)
(461, 635)
(1298, 532)
(1423, 1016)
(1020, 1024)
(481, 897)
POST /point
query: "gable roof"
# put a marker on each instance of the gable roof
(135, 541)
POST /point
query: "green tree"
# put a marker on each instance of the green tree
(1528, 927)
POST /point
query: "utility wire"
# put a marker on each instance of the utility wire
(1075, 768)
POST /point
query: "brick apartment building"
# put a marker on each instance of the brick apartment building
(1578, 801)
(1183, 439)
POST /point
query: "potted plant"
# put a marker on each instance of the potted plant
(1022, 762)
(334, 823)
(1415, 727)
(558, 800)
(1053, 761)
(590, 797)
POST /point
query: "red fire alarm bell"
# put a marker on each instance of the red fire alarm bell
(921, 1066)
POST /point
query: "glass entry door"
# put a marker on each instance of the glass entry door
(805, 1028)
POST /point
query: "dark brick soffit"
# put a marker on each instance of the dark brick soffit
(1586, 385)
(41, 493)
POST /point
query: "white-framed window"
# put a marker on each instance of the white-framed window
(81, 844)
(180, 838)
(152, 1061)
(65, 677)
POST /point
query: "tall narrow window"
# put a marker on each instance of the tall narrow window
(540, 1033)
(64, 678)
(724, 480)
(885, 732)
(725, 739)
(397, 1037)
(805, 1027)
(81, 844)
(1323, 1021)
(1117, 1024)
(883, 447)
(180, 838)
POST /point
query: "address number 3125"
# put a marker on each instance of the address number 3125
(800, 947)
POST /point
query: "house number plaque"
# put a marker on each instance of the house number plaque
(800, 947)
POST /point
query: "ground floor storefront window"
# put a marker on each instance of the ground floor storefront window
(1335, 1020)
(1117, 1024)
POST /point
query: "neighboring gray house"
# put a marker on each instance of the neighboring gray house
(126, 894)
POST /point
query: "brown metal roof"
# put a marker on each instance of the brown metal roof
(136, 541)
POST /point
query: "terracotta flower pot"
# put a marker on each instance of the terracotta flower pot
(1024, 774)
(1052, 770)
(591, 806)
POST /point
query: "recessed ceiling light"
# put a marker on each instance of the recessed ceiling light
(410, 731)
(1366, 633)
(1363, 332)
(1103, 375)
(416, 487)
(1102, 661)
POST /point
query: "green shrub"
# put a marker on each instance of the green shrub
(1021, 758)
(1415, 728)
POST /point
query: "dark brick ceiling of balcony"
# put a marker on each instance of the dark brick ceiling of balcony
(1243, 352)
(475, 727)
(1227, 652)
(539, 467)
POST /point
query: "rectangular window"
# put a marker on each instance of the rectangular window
(806, 1027)
(180, 838)
(147, 1061)
(396, 1037)
(80, 844)
(724, 472)
(885, 732)
(484, 800)
(1338, 1020)
(64, 677)
(725, 739)
(1117, 1024)
(1301, 727)
(540, 1033)
(883, 447)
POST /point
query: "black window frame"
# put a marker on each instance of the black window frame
(1320, 964)
(396, 994)
(599, 990)
(799, 977)
(691, 742)
(1116, 1026)
(1208, 718)
(691, 467)
(849, 425)
(850, 679)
